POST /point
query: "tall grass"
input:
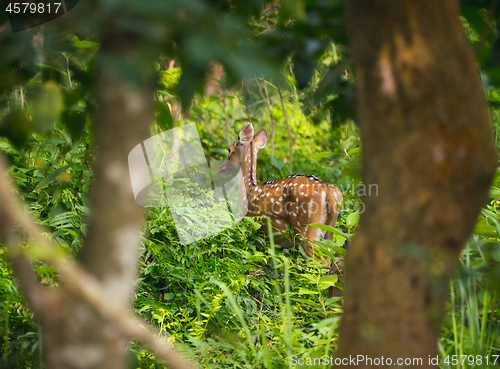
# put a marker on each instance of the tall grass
(471, 330)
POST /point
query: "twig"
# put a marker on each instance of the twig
(487, 27)
(21, 93)
(226, 121)
(247, 107)
(273, 122)
(290, 138)
(69, 76)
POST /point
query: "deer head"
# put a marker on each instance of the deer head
(243, 154)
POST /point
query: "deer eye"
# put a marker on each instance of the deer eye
(229, 151)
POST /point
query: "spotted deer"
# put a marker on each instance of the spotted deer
(296, 200)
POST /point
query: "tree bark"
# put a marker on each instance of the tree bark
(74, 335)
(427, 145)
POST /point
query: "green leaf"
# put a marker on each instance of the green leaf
(344, 144)
(325, 247)
(278, 164)
(292, 81)
(66, 54)
(328, 246)
(54, 141)
(310, 277)
(495, 252)
(329, 229)
(489, 213)
(56, 210)
(45, 66)
(305, 301)
(494, 192)
(326, 322)
(486, 230)
(74, 122)
(303, 291)
(351, 220)
(339, 250)
(165, 93)
(321, 155)
(253, 223)
(82, 44)
(496, 180)
(51, 177)
(164, 116)
(327, 281)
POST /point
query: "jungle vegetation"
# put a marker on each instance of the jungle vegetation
(397, 104)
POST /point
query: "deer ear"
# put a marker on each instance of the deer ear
(260, 139)
(246, 134)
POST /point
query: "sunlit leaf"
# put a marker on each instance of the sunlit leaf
(351, 220)
(486, 230)
(329, 229)
(82, 44)
(327, 281)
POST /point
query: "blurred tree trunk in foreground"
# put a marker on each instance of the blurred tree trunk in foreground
(75, 333)
(427, 144)
(125, 111)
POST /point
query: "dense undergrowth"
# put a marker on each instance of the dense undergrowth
(232, 300)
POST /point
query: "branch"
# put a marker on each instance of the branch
(273, 122)
(73, 277)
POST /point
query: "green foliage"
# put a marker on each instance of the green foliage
(222, 296)
(231, 300)
(472, 325)
(19, 334)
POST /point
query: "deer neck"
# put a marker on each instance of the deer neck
(249, 167)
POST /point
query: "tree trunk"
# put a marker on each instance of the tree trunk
(427, 145)
(74, 335)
